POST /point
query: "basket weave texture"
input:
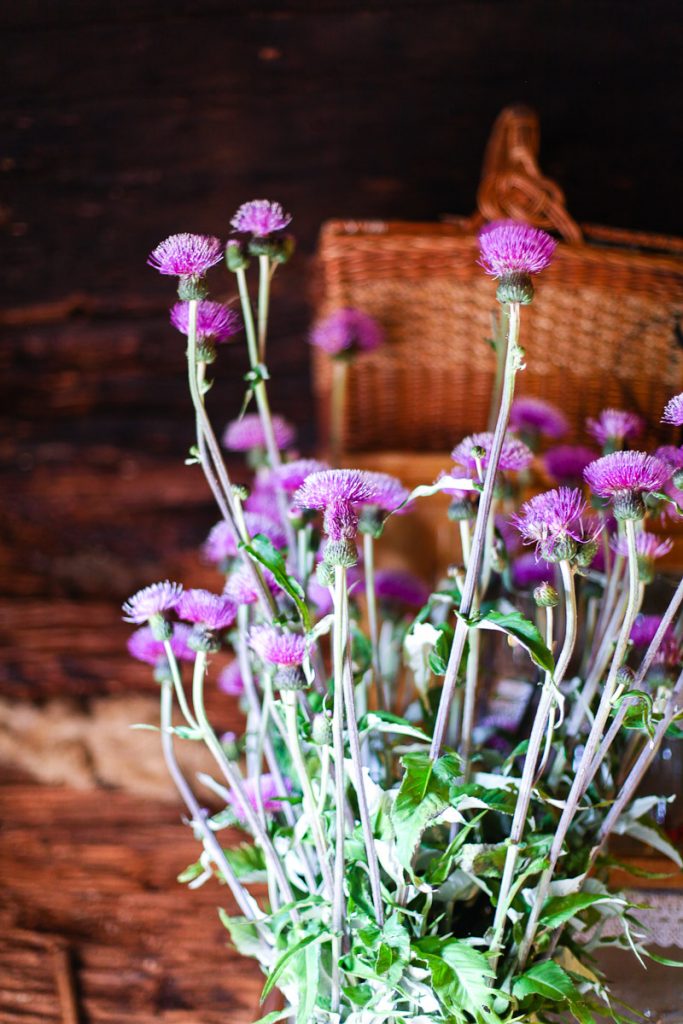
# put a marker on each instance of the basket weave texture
(604, 328)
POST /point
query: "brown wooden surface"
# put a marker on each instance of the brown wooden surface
(97, 871)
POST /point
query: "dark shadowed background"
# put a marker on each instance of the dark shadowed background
(124, 122)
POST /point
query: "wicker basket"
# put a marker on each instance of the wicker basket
(604, 328)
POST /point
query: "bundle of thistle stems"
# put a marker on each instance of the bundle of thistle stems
(408, 857)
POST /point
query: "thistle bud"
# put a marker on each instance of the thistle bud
(340, 552)
(515, 288)
(585, 554)
(625, 677)
(677, 479)
(321, 730)
(546, 596)
(629, 505)
(290, 678)
(161, 628)
(325, 574)
(203, 640)
(235, 256)
(191, 288)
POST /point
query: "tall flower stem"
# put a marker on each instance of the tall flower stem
(371, 604)
(644, 668)
(244, 900)
(341, 615)
(265, 277)
(178, 685)
(262, 404)
(338, 902)
(235, 782)
(211, 453)
(512, 365)
(552, 681)
(582, 777)
(290, 705)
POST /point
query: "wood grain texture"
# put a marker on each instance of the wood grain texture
(99, 874)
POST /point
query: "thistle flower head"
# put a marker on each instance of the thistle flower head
(337, 492)
(215, 322)
(389, 491)
(186, 255)
(614, 426)
(260, 217)
(276, 647)
(347, 331)
(515, 455)
(242, 435)
(508, 247)
(624, 477)
(648, 546)
(213, 611)
(536, 416)
(291, 475)
(143, 645)
(552, 520)
(567, 462)
(266, 786)
(221, 544)
(241, 587)
(263, 496)
(152, 601)
(673, 411)
(230, 680)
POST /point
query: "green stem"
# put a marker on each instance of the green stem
(512, 364)
(582, 778)
(338, 902)
(371, 604)
(234, 781)
(245, 901)
(263, 303)
(178, 685)
(341, 603)
(207, 440)
(290, 705)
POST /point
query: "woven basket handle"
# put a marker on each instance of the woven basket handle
(511, 182)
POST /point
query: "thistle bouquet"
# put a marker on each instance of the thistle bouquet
(410, 852)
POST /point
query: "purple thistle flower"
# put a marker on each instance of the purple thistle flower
(535, 416)
(624, 474)
(221, 544)
(151, 601)
(347, 331)
(213, 611)
(241, 587)
(276, 647)
(673, 457)
(529, 571)
(673, 411)
(552, 520)
(515, 455)
(508, 247)
(644, 629)
(648, 545)
(243, 434)
(268, 789)
(260, 217)
(186, 255)
(614, 426)
(263, 496)
(335, 492)
(215, 321)
(230, 680)
(291, 475)
(397, 586)
(567, 462)
(389, 491)
(144, 646)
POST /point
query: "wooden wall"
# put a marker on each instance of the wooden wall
(124, 122)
